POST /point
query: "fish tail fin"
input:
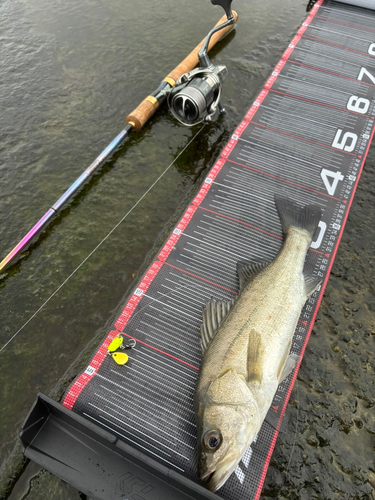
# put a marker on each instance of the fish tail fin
(293, 215)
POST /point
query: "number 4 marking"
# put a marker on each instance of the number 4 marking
(330, 180)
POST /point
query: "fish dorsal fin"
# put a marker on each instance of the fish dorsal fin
(255, 358)
(214, 313)
(311, 284)
(247, 270)
(229, 388)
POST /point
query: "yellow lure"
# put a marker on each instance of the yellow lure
(120, 358)
(115, 344)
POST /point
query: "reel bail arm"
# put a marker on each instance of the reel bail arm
(196, 96)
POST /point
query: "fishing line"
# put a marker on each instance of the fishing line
(102, 241)
(295, 437)
(295, 432)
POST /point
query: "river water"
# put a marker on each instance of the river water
(71, 72)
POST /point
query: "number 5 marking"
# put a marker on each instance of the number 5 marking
(342, 144)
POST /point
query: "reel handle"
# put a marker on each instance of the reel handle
(192, 59)
(146, 109)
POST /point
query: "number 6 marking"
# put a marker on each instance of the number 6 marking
(342, 144)
(371, 49)
(358, 104)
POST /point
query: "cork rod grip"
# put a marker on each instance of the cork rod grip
(144, 111)
(192, 59)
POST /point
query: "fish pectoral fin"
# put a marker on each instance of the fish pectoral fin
(289, 365)
(214, 313)
(311, 284)
(247, 270)
(255, 358)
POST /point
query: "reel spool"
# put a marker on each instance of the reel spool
(196, 95)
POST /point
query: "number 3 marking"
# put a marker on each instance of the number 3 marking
(322, 229)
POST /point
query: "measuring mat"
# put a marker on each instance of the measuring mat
(306, 138)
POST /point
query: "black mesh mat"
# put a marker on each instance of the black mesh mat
(305, 137)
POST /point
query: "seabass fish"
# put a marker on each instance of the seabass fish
(246, 343)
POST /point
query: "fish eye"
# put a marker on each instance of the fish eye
(212, 440)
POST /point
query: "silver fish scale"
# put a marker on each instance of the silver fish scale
(305, 138)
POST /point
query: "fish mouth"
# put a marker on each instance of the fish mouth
(217, 477)
(206, 475)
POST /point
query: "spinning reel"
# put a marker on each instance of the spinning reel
(196, 95)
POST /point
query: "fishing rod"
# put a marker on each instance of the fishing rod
(193, 96)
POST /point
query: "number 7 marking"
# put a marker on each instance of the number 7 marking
(367, 73)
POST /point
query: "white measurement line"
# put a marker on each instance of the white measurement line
(224, 250)
(200, 264)
(310, 83)
(159, 429)
(148, 401)
(164, 333)
(201, 267)
(128, 425)
(185, 408)
(176, 329)
(345, 35)
(278, 152)
(160, 362)
(279, 112)
(173, 349)
(185, 295)
(132, 441)
(205, 243)
(244, 251)
(345, 11)
(168, 305)
(335, 58)
(152, 413)
(195, 286)
(164, 374)
(173, 322)
(166, 313)
(229, 238)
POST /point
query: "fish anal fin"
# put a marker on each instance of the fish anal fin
(311, 284)
(289, 365)
(255, 358)
(214, 313)
(247, 270)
